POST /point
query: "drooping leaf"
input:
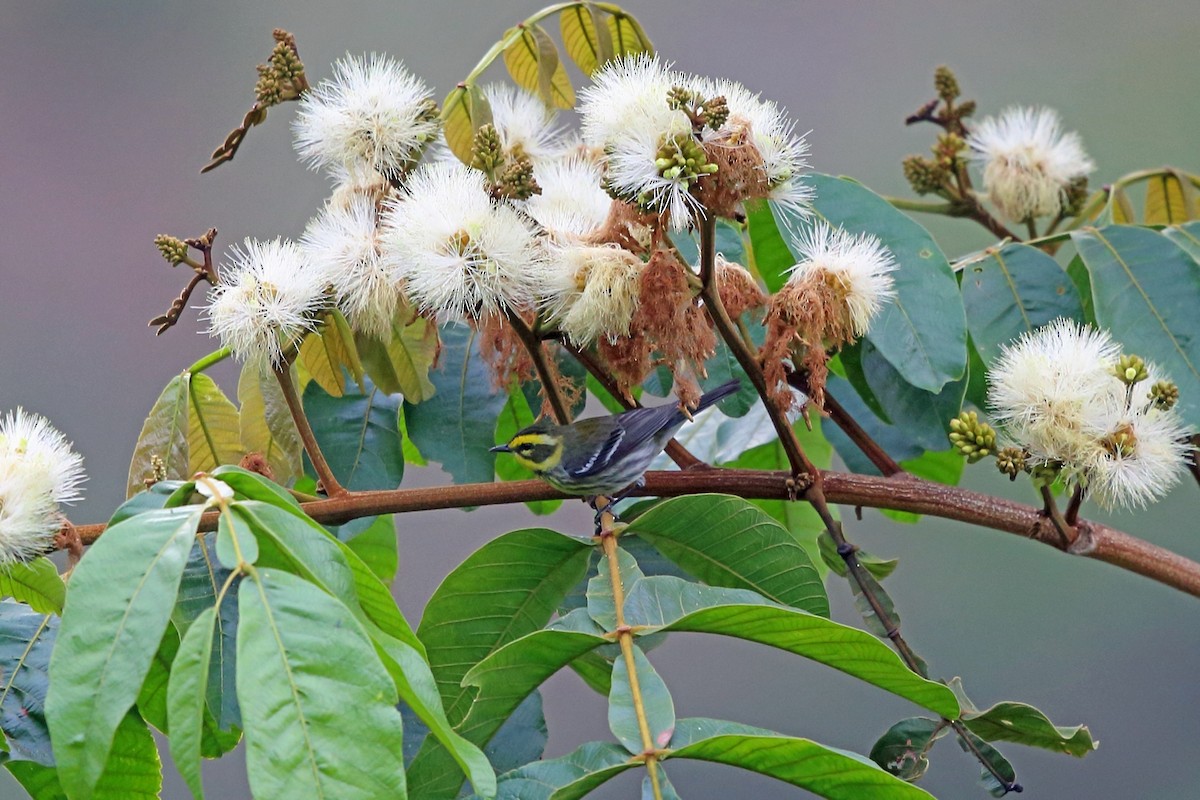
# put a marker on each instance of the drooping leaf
(601, 600)
(1024, 724)
(401, 364)
(997, 779)
(655, 699)
(771, 255)
(118, 604)
(1012, 291)
(567, 777)
(1170, 200)
(824, 771)
(357, 434)
(922, 331)
(303, 660)
(627, 35)
(663, 786)
(464, 111)
(878, 567)
(266, 425)
(585, 37)
(214, 432)
(324, 354)
(662, 599)
(235, 544)
(26, 641)
(186, 695)
(374, 540)
(522, 738)
(1146, 290)
(36, 583)
(726, 541)
(454, 427)
(1187, 236)
(164, 436)
(904, 747)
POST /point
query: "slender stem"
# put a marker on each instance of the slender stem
(923, 206)
(533, 345)
(1064, 528)
(677, 452)
(886, 465)
(214, 357)
(329, 483)
(1072, 515)
(912, 494)
(608, 542)
(1193, 458)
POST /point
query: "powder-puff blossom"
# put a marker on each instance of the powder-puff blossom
(572, 204)
(267, 300)
(856, 270)
(38, 472)
(592, 291)
(343, 242)
(777, 153)
(1028, 161)
(1056, 394)
(523, 122)
(373, 114)
(624, 92)
(459, 252)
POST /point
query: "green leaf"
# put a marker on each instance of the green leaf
(303, 661)
(627, 35)
(601, 602)
(566, 777)
(374, 540)
(1078, 273)
(903, 749)
(522, 57)
(522, 738)
(152, 697)
(1024, 724)
(998, 762)
(878, 567)
(662, 599)
(824, 771)
(358, 435)
(726, 541)
(36, 583)
(325, 352)
(236, 545)
(1187, 237)
(665, 789)
(656, 701)
(265, 423)
(164, 435)
(1014, 290)
(186, 693)
(26, 641)
(515, 416)
(118, 604)
(146, 500)
(133, 770)
(401, 364)
(693, 729)
(464, 111)
(252, 486)
(1147, 290)
(454, 427)
(922, 331)
(585, 37)
(924, 416)
(214, 431)
(771, 257)
(41, 782)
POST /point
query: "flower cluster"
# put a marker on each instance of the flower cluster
(1078, 408)
(38, 473)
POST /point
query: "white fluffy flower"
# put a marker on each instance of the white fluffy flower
(624, 92)
(523, 122)
(373, 114)
(267, 300)
(572, 204)
(38, 471)
(765, 125)
(1140, 453)
(593, 291)
(857, 268)
(459, 253)
(1028, 161)
(343, 243)
(1043, 388)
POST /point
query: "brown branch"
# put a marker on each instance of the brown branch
(203, 272)
(533, 345)
(325, 475)
(907, 493)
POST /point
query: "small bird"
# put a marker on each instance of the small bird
(602, 455)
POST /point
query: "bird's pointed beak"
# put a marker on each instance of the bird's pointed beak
(500, 448)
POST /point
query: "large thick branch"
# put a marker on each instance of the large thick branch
(900, 493)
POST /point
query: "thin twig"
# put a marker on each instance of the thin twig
(1064, 528)
(533, 345)
(883, 462)
(325, 475)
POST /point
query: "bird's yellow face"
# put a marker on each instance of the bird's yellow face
(535, 451)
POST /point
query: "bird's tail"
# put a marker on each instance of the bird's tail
(716, 395)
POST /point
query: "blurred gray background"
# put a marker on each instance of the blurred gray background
(108, 111)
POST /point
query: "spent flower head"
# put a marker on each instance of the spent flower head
(1029, 164)
(460, 253)
(372, 115)
(38, 472)
(856, 270)
(268, 299)
(342, 241)
(593, 291)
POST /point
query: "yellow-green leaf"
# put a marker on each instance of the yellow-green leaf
(1170, 200)
(402, 364)
(323, 353)
(464, 111)
(628, 38)
(523, 56)
(214, 432)
(586, 37)
(36, 583)
(266, 425)
(1122, 208)
(164, 435)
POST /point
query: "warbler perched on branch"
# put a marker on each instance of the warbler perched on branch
(602, 455)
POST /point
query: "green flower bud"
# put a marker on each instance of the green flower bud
(945, 82)
(1011, 462)
(486, 151)
(974, 440)
(1164, 395)
(715, 112)
(1130, 370)
(170, 248)
(923, 175)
